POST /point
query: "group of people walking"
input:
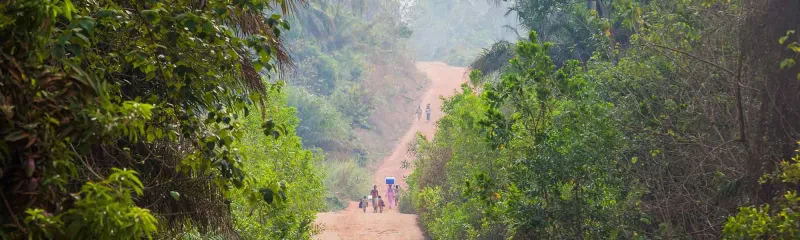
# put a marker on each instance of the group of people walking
(427, 112)
(392, 196)
(393, 191)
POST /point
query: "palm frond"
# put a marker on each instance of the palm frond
(318, 22)
(513, 29)
(494, 58)
(288, 6)
(249, 23)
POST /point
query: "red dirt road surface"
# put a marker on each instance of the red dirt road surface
(352, 223)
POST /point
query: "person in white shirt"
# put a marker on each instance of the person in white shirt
(428, 113)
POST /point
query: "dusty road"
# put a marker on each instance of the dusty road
(352, 223)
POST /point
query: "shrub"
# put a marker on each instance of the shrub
(283, 164)
(347, 180)
(103, 210)
(764, 222)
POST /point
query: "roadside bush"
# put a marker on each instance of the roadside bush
(283, 164)
(779, 221)
(347, 180)
(105, 208)
(407, 203)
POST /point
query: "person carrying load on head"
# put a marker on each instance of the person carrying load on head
(390, 196)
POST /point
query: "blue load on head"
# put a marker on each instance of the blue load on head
(389, 180)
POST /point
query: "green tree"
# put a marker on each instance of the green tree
(783, 221)
(157, 87)
(282, 164)
(535, 155)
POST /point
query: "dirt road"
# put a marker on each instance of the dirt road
(352, 223)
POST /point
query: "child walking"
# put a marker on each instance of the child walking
(397, 195)
(363, 204)
(380, 203)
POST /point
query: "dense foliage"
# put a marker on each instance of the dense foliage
(280, 163)
(535, 152)
(779, 222)
(128, 119)
(622, 119)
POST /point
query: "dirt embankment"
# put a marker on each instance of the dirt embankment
(352, 223)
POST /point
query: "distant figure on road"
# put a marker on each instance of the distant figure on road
(390, 195)
(363, 204)
(428, 113)
(374, 194)
(418, 112)
(380, 203)
(397, 195)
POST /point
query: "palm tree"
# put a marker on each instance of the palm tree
(492, 59)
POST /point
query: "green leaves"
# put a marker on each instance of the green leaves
(86, 24)
(68, 9)
(175, 195)
(273, 193)
(792, 46)
(267, 194)
(264, 202)
(153, 15)
(104, 210)
(780, 222)
(783, 39)
(135, 81)
(273, 129)
(787, 63)
(538, 141)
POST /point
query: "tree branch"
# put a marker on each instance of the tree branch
(692, 56)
